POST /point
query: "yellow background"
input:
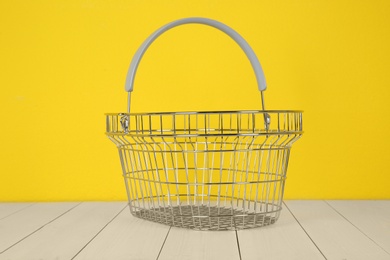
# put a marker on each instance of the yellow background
(63, 65)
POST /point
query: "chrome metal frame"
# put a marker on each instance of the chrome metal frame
(205, 170)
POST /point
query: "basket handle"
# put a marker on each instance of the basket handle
(261, 84)
(224, 28)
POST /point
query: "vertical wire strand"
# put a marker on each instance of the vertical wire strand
(148, 149)
(129, 178)
(125, 172)
(134, 181)
(210, 181)
(176, 167)
(166, 172)
(145, 175)
(237, 154)
(155, 174)
(247, 167)
(160, 170)
(221, 165)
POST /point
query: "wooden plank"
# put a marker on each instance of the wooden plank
(372, 217)
(67, 235)
(283, 240)
(185, 244)
(126, 237)
(7, 209)
(333, 234)
(25, 222)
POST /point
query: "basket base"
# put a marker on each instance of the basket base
(205, 217)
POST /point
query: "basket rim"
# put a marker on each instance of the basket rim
(133, 133)
(209, 112)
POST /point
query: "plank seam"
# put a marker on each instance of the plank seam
(97, 233)
(17, 211)
(162, 246)
(356, 227)
(40, 228)
(238, 245)
(304, 230)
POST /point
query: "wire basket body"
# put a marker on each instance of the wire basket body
(206, 171)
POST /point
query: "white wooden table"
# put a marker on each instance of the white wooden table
(106, 230)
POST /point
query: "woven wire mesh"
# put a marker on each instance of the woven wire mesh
(205, 171)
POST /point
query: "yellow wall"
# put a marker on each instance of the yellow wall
(63, 65)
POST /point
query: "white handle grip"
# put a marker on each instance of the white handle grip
(224, 28)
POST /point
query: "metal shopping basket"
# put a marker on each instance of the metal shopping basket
(215, 170)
